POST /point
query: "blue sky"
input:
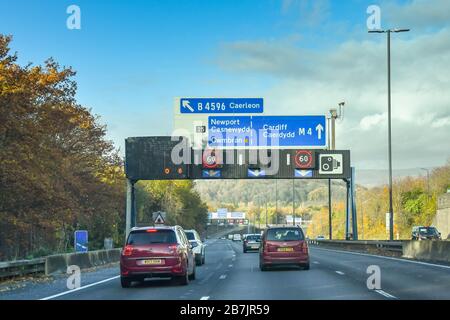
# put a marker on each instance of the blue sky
(133, 57)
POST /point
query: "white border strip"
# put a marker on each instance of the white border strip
(384, 293)
(80, 288)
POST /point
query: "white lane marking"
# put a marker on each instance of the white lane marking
(340, 272)
(222, 277)
(80, 288)
(388, 258)
(204, 298)
(384, 293)
(230, 266)
(316, 262)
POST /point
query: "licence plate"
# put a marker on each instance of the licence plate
(285, 249)
(152, 261)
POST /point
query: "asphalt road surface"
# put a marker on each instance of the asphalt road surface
(230, 274)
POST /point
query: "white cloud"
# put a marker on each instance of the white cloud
(416, 14)
(368, 122)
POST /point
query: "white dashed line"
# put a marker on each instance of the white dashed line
(80, 288)
(204, 298)
(340, 272)
(222, 277)
(230, 266)
(316, 262)
(384, 293)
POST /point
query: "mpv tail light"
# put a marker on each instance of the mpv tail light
(127, 251)
(173, 248)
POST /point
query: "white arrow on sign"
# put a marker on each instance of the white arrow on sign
(319, 130)
(187, 105)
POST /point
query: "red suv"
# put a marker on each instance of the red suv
(283, 246)
(157, 252)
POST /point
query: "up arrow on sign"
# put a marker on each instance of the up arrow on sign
(319, 130)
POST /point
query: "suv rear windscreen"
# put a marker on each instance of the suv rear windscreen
(430, 231)
(144, 237)
(256, 238)
(190, 235)
(285, 234)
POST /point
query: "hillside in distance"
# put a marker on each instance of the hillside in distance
(217, 193)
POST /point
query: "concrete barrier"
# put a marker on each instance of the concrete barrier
(391, 248)
(60, 262)
(438, 251)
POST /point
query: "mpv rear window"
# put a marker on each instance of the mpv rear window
(143, 237)
(293, 234)
(253, 238)
(190, 235)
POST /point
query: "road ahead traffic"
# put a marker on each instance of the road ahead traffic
(230, 274)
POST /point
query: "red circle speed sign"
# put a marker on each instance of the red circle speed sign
(210, 159)
(303, 159)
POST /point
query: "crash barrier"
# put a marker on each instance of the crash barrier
(10, 269)
(58, 263)
(394, 247)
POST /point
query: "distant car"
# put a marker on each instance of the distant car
(251, 242)
(230, 237)
(283, 246)
(425, 233)
(159, 252)
(237, 237)
(320, 238)
(223, 238)
(197, 245)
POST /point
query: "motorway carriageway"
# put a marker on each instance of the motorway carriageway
(232, 275)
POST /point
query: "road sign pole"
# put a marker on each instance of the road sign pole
(330, 222)
(293, 201)
(354, 216)
(131, 207)
(347, 211)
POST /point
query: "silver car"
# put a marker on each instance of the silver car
(198, 246)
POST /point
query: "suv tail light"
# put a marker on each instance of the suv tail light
(127, 251)
(173, 248)
(305, 247)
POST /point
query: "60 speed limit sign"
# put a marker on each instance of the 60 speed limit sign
(210, 159)
(304, 159)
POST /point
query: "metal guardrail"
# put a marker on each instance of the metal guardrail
(17, 268)
(394, 246)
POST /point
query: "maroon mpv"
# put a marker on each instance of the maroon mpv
(157, 252)
(283, 246)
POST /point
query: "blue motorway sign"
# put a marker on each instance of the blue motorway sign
(81, 241)
(265, 131)
(221, 105)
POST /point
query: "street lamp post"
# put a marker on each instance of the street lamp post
(391, 210)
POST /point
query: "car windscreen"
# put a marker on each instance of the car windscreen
(190, 235)
(284, 234)
(428, 231)
(256, 238)
(144, 237)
